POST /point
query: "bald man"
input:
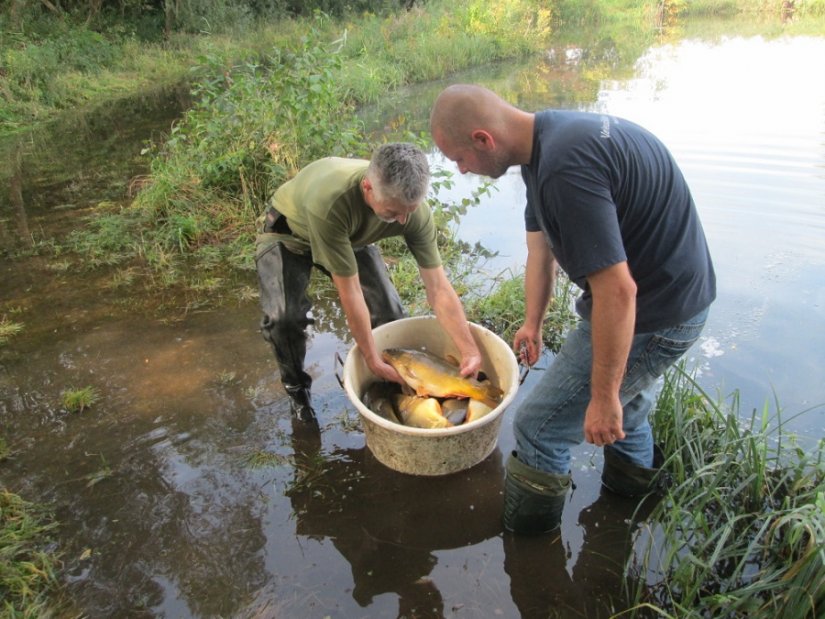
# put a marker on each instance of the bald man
(607, 203)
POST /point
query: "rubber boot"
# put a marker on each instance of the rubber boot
(627, 479)
(299, 403)
(533, 499)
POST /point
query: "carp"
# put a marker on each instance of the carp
(432, 376)
(420, 412)
(455, 410)
(476, 410)
(378, 398)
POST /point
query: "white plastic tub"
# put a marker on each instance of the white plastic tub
(442, 451)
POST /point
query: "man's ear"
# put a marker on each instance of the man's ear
(482, 140)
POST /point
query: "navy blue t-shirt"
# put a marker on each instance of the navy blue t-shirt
(605, 190)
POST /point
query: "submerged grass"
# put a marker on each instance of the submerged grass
(78, 400)
(8, 329)
(742, 531)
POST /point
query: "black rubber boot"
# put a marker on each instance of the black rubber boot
(627, 479)
(299, 403)
(533, 499)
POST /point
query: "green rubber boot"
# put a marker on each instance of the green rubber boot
(533, 499)
(623, 477)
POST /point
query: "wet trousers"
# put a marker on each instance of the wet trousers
(283, 277)
(551, 419)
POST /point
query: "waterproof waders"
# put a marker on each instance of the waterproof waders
(283, 277)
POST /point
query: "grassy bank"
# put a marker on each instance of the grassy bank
(742, 530)
(53, 64)
(58, 56)
(259, 117)
(27, 566)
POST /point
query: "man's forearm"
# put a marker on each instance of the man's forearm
(539, 280)
(612, 321)
(357, 315)
(450, 313)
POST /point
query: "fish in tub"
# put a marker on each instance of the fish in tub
(436, 395)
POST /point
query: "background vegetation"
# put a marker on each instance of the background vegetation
(258, 118)
(58, 58)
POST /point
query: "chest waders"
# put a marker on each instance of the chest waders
(283, 277)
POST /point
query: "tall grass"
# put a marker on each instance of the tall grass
(51, 64)
(443, 37)
(742, 531)
(807, 8)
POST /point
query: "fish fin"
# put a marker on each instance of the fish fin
(452, 360)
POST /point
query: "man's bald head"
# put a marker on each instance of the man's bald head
(480, 131)
(461, 108)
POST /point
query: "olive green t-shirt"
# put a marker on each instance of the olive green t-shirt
(328, 217)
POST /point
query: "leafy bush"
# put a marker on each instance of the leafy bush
(253, 126)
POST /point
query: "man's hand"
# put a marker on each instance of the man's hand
(385, 371)
(527, 344)
(603, 422)
(470, 365)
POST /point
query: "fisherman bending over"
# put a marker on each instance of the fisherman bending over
(328, 216)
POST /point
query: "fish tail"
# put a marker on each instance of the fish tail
(492, 396)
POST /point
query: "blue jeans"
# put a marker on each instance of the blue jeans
(551, 419)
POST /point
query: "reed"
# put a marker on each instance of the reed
(742, 530)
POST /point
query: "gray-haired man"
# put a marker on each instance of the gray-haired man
(328, 216)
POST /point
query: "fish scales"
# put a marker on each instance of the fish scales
(432, 376)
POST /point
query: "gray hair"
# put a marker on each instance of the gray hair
(400, 171)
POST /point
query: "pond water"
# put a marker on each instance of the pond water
(187, 492)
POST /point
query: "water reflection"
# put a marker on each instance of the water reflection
(546, 582)
(389, 526)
